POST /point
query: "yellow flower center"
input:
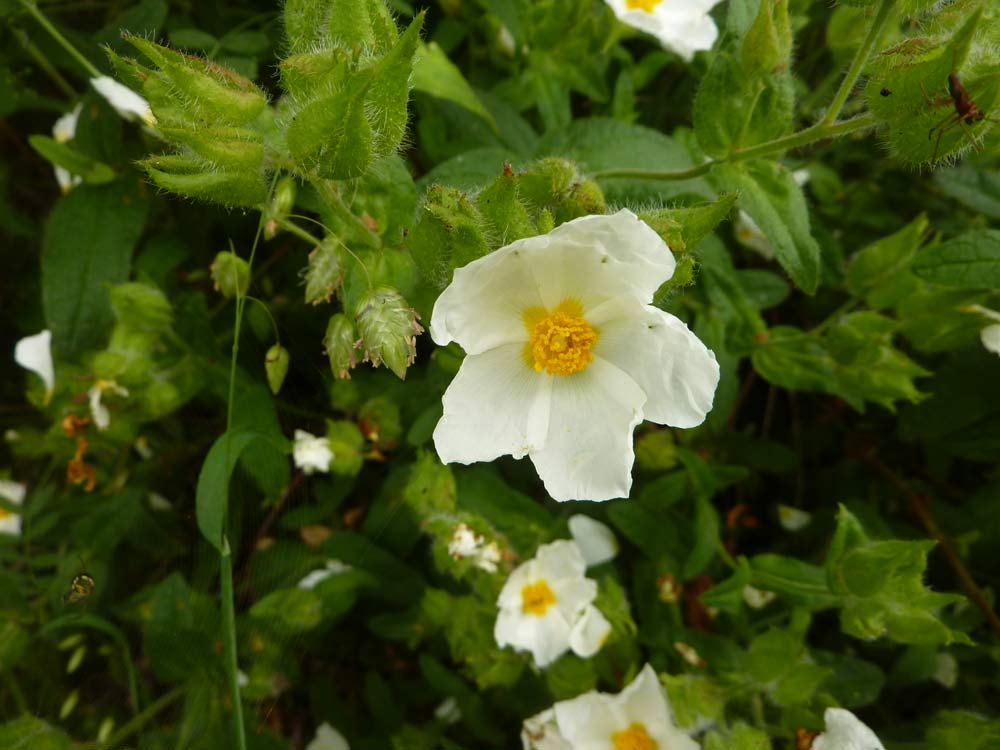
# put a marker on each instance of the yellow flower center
(4, 513)
(646, 5)
(634, 738)
(536, 598)
(561, 340)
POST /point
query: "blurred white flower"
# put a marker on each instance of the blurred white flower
(98, 411)
(845, 732)
(328, 738)
(63, 131)
(756, 598)
(541, 732)
(793, 519)
(331, 568)
(465, 543)
(596, 541)
(311, 453)
(566, 355)
(945, 669)
(448, 711)
(682, 26)
(546, 606)
(125, 101)
(13, 493)
(638, 718)
(158, 502)
(35, 353)
(990, 336)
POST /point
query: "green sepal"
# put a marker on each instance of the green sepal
(450, 233)
(239, 149)
(304, 74)
(339, 343)
(505, 214)
(325, 272)
(231, 274)
(332, 133)
(193, 179)
(388, 328)
(683, 228)
(390, 90)
(216, 94)
(131, 72)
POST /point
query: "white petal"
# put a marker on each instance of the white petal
(328, 738)
(589, 632)
(484, 305)
(677, 372)
(990, 336)
(573, 595)
(596, 541)
(540, 732)
(793, 519)
(448, 711)
(10, 523)
(311, 453)
(98, 411)
(587, 718)
(750, 235)
(313, 578)
(13, 492)
(158, 502)
(35, 353)
(546, 637)
(560, 559)
(126, 102)
(588, 453)
(496, 405)
(756, 598)
(845, 732)
(645, 701)
(66, 179)
(64, 129)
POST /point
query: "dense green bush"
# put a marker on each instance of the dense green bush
(247, 501)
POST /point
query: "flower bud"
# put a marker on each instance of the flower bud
(389, 329)
(450, 233)
(585, 198)
(276, 366)
(340, 343)
(325, 273)
(231, 274)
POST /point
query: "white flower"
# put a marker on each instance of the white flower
(990, 336)
(565, 355)
(311, 453)
(12, 492)
(126, 102)
(35, 353)
(793, 519)
(465, 543)
(98, 411)
(448, 711)
(331, 568)
(845, 732)
(637, 717)
(158, 502)
(682, 26)
(756, 598)
(546, 606)
(596, 541)
(540, 732)
(328, 738)
(63, 131)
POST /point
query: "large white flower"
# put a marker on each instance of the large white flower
(566, 355)
(12, 492)
(546, 606)
(844, 731)
(128, 104)
(682, 26)
(311, 453)
(35, 353)
(638, 718)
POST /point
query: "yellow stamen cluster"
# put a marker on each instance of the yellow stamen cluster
(4, 513)
(646, 5)
(634, 738)
(561, 341)
(536, 598)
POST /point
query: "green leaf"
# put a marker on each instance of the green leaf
(434, 74)
(87, 247)
(793, 359)
(884, 259)
(974, 186)
(75, 162)
(30, 733)
(970, 261)
(212, 493)
(772, 198)
(289, 611)
(799, 582)
(962, 730)
(179, 638)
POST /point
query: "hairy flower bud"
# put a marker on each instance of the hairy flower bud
(340, 343)
(276, 366)
(231, 274)
(325, 272)
(389, 329)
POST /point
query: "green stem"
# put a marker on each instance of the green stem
(140, 720)
(804, 137)
(36, 54)
(329, 192)
(859, 62)
(229, 637)
(44, 22)
(292, 228)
